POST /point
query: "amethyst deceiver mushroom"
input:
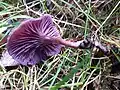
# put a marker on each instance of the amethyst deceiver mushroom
(34, 40)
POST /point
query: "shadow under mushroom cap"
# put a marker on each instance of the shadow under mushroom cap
(32, 42)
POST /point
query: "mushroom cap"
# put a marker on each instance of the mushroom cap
(32, 42)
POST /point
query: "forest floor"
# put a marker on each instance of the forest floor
(71, 69)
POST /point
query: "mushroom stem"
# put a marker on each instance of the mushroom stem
(70, 44)
(83, 44)
(67, 43)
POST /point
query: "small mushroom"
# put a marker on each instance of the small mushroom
(36, 39)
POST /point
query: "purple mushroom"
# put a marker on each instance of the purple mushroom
(36, 39)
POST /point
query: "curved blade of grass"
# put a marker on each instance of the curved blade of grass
(67, 77)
